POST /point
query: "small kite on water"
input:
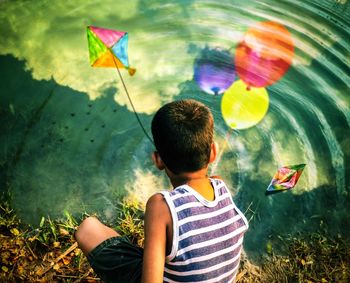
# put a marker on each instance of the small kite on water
(285, 178)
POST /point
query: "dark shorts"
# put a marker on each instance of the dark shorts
(117, 260)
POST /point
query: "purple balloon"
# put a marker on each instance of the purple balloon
(214, 73)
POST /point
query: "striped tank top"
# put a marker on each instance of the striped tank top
(207, 236)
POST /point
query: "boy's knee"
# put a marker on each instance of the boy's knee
(91, 232)
(88, 224)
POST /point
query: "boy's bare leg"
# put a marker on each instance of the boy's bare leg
(91, 232)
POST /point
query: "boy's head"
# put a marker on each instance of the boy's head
(183, 135)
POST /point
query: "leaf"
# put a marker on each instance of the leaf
(269, 247)
(42, 222)
(53, 228)
(14, 231)
(63, 232)
(38, 271)
(19, 242)
(56, 266)
(31, 239)
(20, 269)
(4, 268)
(56, 244)
(302, 261)
(12, 109)
(66, 260)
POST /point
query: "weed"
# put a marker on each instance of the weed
(49, 253)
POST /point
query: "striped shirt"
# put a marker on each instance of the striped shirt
(207, 236)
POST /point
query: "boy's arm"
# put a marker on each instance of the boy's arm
(156, 217)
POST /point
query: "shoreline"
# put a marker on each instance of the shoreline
(49, 253)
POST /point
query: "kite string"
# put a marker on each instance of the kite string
(132, 105)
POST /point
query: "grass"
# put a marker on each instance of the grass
(40, 254)
(49, 253)
(310, 258)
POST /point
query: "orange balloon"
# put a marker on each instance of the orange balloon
(265, 54)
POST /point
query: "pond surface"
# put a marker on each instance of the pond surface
(70, 140)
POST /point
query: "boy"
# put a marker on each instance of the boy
(193, 233)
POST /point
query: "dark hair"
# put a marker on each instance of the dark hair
(183, 133)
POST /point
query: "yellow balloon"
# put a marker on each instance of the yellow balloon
(244, 107)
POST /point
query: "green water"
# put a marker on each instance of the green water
(70, 141)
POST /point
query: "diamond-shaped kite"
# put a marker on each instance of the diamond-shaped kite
(285, 178)
(108, 48)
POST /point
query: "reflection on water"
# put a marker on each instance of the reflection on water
(71, 142)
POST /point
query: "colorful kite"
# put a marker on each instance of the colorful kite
(108, 48)
(285, 178)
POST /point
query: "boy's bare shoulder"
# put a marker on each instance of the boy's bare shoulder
(157, 203)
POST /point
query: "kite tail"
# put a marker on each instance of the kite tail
(131, 71)
(132, 105)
